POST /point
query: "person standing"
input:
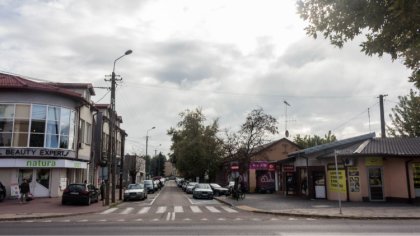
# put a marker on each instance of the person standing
(24, 191)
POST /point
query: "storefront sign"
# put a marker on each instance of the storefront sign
(374, 161)
(271, 167)
(260, 165)
(42, 163)
(36, 152)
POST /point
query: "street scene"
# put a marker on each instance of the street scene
(210, 117)
(171, 211)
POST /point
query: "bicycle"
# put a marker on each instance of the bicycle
(238, 195)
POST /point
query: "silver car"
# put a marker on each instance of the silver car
(203, 191)
(135, 192)
(190, 187)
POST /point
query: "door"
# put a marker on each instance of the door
(375, 178)
(40, 185)
(318, 178)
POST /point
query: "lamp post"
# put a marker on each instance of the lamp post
(147, 142)
(111, 142)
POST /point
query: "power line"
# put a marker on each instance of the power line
(354, 117)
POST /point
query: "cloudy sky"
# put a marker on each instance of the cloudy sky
(224, 56)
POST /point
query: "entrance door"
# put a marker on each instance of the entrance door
(40, 185)
(376, 192)
(318, 178)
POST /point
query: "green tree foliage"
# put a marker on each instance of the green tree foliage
(390, 26)
(308, 141)
(406, 118)
(254, 132)
(158, 165)
(195, 145)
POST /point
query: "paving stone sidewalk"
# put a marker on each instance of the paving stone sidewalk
(294, 206)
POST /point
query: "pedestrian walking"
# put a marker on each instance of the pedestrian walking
(24, 191)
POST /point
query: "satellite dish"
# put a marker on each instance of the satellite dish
(286, 133)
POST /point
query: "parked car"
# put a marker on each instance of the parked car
(149, 185)
(230, 186)
(157, 185)
(202, 191)
(184, 185)
(135, 192)
(2, 192)
(219, 190)
(80, 193)
(190, 187)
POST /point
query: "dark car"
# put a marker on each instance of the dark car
(149, 185)
(2, 192)
(80, 193)
(219, 190)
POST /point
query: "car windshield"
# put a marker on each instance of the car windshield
(215, 186)
(203, 186)
(77, 187)
(135, 186)
(192, 184)
(147, 182)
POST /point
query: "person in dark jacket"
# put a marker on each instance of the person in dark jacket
(24, 191)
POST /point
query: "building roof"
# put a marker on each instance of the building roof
(327, 148)
(8, 81)
(87, 86)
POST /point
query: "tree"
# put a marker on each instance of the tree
(406, 118)
(158, 165)
(196, 146)
(310, 141)
(390, 26)
(254, 133)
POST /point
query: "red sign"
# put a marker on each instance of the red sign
(288, 168)
(234, 167)
(271, 167)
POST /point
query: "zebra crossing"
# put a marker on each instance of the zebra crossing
(165, 209)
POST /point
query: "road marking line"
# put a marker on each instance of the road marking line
(178, 209)
(28, 221)
(151, 203)
(187, 219)
(204, 219)
(155, 219)
(189, 200)
(168, 216)
(310, 219)
(139, 219)
(273, 219)
(161, 209)
(228, 209)
(195, 209)
(121, 220)
(256, 219)
(212, 209)
(65, 221)
(84, 220)
(144, 210)
(292, 219)
(47, 221)
(221, 219)
(110, 210)
(127, 210)
(103, 220)
(238, 218)
(173, 216)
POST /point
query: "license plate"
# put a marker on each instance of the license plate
(74, 193)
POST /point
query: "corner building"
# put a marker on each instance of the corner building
(40, 135)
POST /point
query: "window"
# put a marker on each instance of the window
(38, 118)
(26, 125)
(88, 136)
(82, 131)
(6, 124)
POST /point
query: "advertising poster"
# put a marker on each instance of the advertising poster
(336, 184)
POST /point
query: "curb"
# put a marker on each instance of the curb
(352, 217)
(55, 215)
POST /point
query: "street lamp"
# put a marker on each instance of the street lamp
(147, 142)
(112, 134)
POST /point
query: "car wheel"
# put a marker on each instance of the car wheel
(2, 197)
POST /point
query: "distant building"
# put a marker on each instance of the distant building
(170, 169)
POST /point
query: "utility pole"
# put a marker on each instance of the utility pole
(286, 132)
(112, 136)
(381, 106)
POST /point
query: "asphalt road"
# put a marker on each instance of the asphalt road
(172, 212)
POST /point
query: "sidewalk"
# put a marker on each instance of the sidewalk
(294, 206)
(44, 208)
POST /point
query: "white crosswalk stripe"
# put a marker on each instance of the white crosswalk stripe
(212, 209)
(127, 210)
(144, 210)
(110, 210)
(195, 209)
(161, 209)
(228, 209)
(178, 209)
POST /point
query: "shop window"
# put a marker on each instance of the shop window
(36, 140)
(20, 139)
(5, 139)
(6, 125)
(7, 110)
(22, 111)
(88, 133)
(51, 141)
(64, 141)
(39, 112)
